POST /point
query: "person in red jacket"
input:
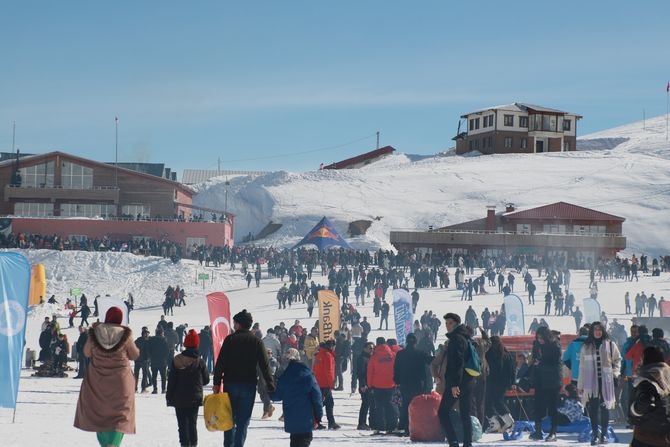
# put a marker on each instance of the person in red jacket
(324, 371)
(380, 380)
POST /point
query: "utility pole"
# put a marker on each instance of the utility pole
(13, 135)
(116, 152)
(377, 139)
(218, 169)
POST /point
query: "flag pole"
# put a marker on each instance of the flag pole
(116, 151)
(667, 108)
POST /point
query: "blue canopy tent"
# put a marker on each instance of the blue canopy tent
(324, 236)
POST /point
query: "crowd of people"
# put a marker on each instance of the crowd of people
(292, 364)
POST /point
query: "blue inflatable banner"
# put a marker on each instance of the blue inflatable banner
(402, 310)
(515, 324)
(14, 292)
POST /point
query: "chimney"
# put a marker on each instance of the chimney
(509, 207)
(490, 218)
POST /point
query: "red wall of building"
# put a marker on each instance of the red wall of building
(214, 233)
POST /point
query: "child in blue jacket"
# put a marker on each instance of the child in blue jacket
(301, 400)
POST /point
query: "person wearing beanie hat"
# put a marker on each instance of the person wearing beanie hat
(114, 315)
(186, 379)
(241, 359)
(301, 398)
(410, 373)
(192, 340)
(106, 403)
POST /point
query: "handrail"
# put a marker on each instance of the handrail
(62, 187)
(536, 233)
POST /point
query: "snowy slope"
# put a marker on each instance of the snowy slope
(46, 407)
(623, 171)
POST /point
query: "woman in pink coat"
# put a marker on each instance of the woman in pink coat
(106, 402)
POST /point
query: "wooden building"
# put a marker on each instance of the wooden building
(89, 194)
(561, 229)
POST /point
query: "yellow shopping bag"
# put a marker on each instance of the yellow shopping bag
(218, 412)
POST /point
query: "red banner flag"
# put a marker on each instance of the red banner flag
(219, 318)
(667, 87)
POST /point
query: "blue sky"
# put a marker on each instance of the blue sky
(270, 85)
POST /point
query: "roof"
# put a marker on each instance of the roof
(49, 155)
(521, 107)
(386, 150)
(562, 210)
(155, 169)
(193, 176)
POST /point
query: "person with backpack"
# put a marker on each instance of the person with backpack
(188, 374)
(502, 375)
(599, 368)
(458, 383)
(648, 411)
(547, 374)
(657, 339)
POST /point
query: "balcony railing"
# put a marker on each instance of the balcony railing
(105, 193)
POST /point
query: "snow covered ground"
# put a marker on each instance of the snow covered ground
(623, 171)
(46, 406)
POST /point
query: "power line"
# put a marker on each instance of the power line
(268, 157)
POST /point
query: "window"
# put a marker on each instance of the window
(38, 176)
(566, 145)
(474, 124)
(508, 142)
(553, 228)
(488, 121)
(476, 144)
(523, 121)
(74, 176)
(87, 210)
(135, 209)
(524, 143)
(523, 228)
(33, 209)
(567, 124)
(490, 141)
(509, 120)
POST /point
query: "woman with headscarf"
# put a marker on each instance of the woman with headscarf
(599, 367)
(650, 405)
(106, 402)
(547, 378)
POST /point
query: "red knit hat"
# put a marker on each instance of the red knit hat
(114, 315)
(192, 340)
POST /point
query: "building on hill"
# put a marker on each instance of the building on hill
(63, 194)
(517, 128)
(559, 230)
(361, 160)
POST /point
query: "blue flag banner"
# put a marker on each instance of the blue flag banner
(14, 292)
(591, 310)
(515, 324)
(402, 310)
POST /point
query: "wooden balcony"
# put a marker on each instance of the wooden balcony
(510, 240)
(108, 194)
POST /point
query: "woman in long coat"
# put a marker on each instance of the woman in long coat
(106, 402)
(599, 366)
(547, 378)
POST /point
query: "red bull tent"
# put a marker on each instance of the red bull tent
(324, 236)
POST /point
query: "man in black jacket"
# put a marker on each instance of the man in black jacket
(159, 355)
(409, 372)
(142, 362)
(366, 393)
(236, 370)
(458, 383)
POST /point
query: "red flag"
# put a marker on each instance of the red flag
(667, 87)
(219, 317)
